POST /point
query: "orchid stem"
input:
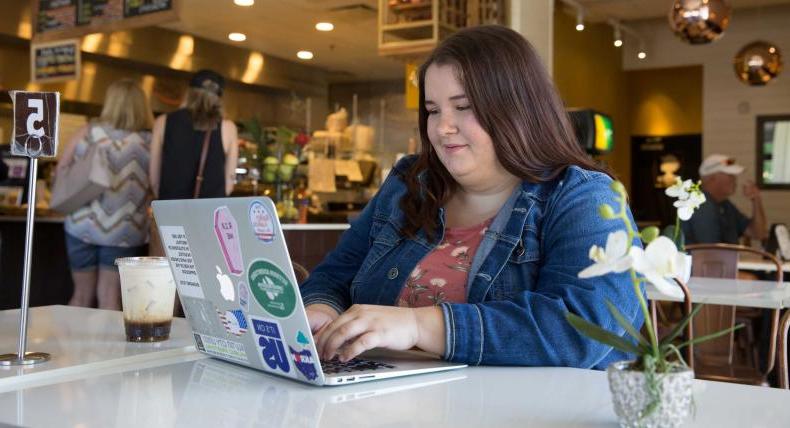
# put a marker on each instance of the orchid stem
(677, 232)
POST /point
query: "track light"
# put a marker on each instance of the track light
(618, 36)
(641, 54)
(579, 19)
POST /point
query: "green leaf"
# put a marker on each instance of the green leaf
(606, 211)
(648, 234)
(598, 334)
(629, 328)
(709, 336)
(675, 332)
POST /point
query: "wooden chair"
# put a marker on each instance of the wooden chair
(301, 273)
(783, 369)
(714, 359)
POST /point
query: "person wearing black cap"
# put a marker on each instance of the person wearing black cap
(193, 135)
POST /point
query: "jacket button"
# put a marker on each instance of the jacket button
(393, 273)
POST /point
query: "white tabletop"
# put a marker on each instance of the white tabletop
(80, 340)
(756, 294)
(210, 393)
(757, 264)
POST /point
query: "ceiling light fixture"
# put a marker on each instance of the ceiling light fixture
(641, 54)
(324, 26)
(304, 55)
(244, 2)
(580, 20)
(237, 37)
(618, 36)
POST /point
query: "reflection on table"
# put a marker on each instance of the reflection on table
(80, 340)
(209, 393)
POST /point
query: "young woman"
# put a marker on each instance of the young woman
(471, 249)
(115, 224)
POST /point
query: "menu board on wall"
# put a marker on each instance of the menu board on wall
(59, 19)
(54, 61)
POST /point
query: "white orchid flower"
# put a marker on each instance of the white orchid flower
(614, 258)
(659, 261)
(680, 189)
(687, 206)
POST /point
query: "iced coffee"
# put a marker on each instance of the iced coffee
(147, 295)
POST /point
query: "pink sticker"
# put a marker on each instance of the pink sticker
(261, 221)
(227, 233)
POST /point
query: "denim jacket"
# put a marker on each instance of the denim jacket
(522, 281)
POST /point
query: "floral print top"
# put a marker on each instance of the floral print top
(442, 274)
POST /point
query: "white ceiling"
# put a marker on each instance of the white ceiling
(350, 52)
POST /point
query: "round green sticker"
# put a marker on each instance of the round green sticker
(271, 288)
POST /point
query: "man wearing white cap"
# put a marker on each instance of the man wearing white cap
(718, 220)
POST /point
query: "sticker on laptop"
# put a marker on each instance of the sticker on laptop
(302, 339)
(304, 362)
(271, 288)
(174, 241)
(244, 296)
(227, 231)
(222, 348)
(201, 314)
(261, 221)
(225, 286)
(233, 321)
(269, 338)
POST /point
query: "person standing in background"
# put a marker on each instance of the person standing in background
(178, 139)
(717, 220)
(178, 143)
(116, 224)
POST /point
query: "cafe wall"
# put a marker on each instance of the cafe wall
(588, 73)
(729, 107)
(665, 101)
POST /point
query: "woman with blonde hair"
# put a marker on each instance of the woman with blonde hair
(115, 224)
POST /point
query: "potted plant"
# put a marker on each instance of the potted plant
(654, 389)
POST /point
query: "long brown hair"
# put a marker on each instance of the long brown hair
(126, 107)
(514, 101)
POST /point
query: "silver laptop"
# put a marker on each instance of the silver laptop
(239, 293)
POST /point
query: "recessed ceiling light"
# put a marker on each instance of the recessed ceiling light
(324, 26)
(244, 2)
(304, 55)
(237, 37)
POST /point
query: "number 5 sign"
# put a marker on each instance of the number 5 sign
(35, 123)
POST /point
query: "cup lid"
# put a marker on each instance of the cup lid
(142, 261)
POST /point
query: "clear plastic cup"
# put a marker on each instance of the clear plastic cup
(148, 296)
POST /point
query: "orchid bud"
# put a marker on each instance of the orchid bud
(606, 211)
(618, 187)
(648, 234)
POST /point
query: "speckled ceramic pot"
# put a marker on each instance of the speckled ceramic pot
(630, 396)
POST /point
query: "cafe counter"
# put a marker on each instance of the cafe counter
(50, 280)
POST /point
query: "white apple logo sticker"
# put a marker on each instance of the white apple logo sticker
(225, 286)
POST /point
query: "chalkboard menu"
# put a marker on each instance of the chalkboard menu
(142, 7)
(58, 19)
(55, 61)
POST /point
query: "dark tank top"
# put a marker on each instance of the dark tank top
(181, 156)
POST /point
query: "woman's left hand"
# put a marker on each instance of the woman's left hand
(364, 327)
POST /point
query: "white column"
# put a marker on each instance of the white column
(534, 19)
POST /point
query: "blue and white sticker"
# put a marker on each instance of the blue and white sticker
(304, 362)
(233, 321)
(262, 222)
(244, 296)
(269, 339)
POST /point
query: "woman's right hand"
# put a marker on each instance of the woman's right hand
(319, 316)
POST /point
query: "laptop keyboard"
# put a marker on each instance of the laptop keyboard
(335, 366)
